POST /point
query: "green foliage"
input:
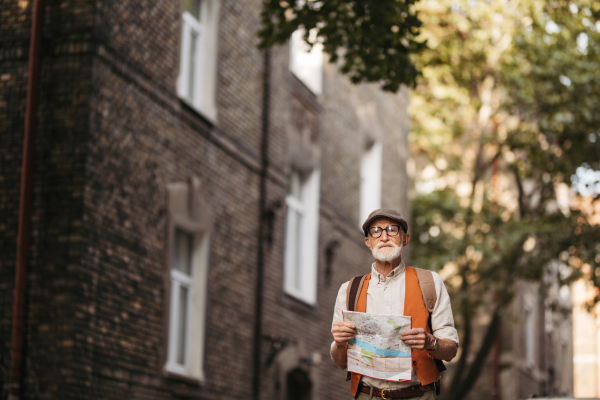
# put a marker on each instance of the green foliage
(553, 82)
(374, 38)
(507, 110)
(496, 111)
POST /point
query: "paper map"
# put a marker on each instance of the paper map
(377, 350)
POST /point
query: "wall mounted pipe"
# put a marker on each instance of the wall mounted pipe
(18, 322)
(262, 227)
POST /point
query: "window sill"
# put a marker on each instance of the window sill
(176, 376)
(303, 302)
(206, 118)
(306, 91)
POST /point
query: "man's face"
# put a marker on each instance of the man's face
(386, 247)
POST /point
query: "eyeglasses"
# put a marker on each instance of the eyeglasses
(377, 231)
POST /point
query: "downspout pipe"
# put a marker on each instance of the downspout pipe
(262, 228)
(18, 321)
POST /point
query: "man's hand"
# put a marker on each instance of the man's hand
(417, 339)
(343, 332)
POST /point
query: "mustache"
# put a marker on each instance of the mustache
(390, 244)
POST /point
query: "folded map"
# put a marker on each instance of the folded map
(377, 350)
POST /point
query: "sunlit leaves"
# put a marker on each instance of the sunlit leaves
(509, 100)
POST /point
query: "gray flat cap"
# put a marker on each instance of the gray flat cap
(385, 213)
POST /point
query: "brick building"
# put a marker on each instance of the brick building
(166, 142)
(534, 353)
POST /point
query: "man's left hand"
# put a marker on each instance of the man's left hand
(418, 339)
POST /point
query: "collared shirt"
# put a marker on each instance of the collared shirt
(386, 296)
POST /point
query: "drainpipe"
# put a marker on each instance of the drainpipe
(262, 228)
(18, 323)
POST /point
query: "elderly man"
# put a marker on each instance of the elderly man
(392, 288)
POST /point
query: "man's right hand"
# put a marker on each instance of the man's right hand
(343, 332)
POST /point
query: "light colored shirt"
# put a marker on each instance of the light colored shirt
(386, 296)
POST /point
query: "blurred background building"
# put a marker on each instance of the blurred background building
(177, 170)
(533, 355)
(586, 327)
(586, 338)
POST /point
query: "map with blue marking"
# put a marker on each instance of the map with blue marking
(377, 350)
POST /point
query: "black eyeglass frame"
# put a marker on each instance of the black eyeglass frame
(400, 228)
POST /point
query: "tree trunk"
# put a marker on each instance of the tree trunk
(477, 365)
(466, 342)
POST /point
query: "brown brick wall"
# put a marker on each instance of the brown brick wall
(112, 136)
(52, 362)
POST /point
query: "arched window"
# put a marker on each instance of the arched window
(298, 385)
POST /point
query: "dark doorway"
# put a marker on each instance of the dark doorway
(298, 386)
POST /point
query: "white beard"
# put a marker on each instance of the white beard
(387, 254)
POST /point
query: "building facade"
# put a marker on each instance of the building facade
(586, 341)
(532, 355)
(586, 325)
(178, 169)
(536, 356)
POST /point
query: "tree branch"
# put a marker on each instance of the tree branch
(477, 365)
(521, 192)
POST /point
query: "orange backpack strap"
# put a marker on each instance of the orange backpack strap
(427, 288)
(356, 300)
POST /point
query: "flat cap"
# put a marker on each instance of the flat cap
(385, 213)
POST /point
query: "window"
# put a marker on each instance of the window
(306, 63)
(187, 279)
(181, 296)
(370, 180)
(301, 248)
(530, 335)
(197, 69)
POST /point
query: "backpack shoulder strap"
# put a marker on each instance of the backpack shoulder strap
(427, 288)
(353, 291)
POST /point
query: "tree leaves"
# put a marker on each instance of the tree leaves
(373, 40)
(507, 109)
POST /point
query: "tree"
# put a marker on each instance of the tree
(504, 113)
(503, 117)
(375, 38)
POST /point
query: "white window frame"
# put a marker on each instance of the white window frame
(190, 214)
(301, 247)
(190, 26)
(193, 365)
(530, 336)
(180, 280)
(203, 92)
(370, 181)
(305, 64)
